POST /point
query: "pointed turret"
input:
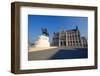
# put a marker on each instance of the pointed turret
(76, 27)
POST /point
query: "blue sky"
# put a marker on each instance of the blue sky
(55, 24)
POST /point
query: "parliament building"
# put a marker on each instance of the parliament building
(69, 38)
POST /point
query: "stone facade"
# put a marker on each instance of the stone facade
(69, 38)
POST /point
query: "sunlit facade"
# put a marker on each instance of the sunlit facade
(69, 38)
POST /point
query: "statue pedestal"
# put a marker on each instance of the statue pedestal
(42, 41)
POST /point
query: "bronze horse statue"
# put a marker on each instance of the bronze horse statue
(45, 31)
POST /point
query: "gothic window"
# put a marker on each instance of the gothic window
(64, 43)
(78, 36)
(61, 43)
(68, 42)
(75, 36)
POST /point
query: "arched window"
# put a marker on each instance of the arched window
(64, 43)
(61, 43)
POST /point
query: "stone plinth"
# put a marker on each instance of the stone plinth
(42, 41)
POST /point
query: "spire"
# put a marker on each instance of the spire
(76, 27)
